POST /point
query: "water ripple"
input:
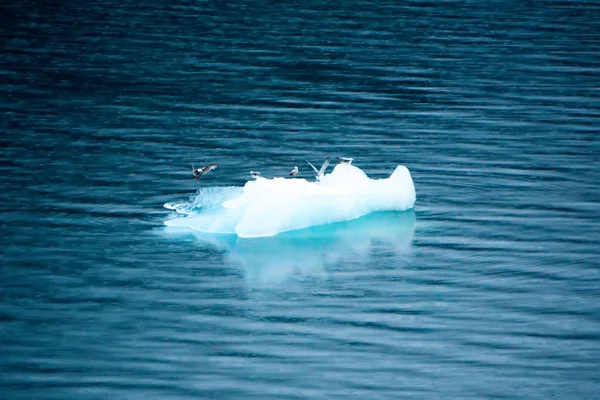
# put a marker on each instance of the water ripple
(488, 290)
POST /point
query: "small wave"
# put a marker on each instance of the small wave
(205, 199)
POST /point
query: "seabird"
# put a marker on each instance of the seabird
(294, 172)
(321, 171)
(345, 160)
(255, 174)
(198, 172)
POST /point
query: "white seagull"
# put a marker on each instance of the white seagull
(320, 172)
(345, 160)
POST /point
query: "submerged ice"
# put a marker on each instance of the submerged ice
(266, 207)
(311, 252)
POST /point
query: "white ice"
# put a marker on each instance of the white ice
(267, 207)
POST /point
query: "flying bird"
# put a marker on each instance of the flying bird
(198, 172)
(255, 174)
(294, 172)
(321, 171)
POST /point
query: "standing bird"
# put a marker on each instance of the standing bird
(321, 171)
(294, 172)
(345, 160)
(198, 172)
(255, 174)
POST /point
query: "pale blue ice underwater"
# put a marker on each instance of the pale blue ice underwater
(309, 251)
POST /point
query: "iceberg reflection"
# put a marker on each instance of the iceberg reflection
(309, 251)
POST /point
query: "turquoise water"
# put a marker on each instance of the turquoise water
(489, 288)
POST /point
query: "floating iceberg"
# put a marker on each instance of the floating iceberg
(266, 207)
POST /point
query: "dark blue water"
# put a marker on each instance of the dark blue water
(490, 288)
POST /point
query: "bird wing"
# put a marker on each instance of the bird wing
(313, 167)
(323, 167)
(208, 167)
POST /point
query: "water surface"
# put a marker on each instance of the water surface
(488, 289)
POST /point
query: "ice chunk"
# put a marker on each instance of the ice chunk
(267, 207)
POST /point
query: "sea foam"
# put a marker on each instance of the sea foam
(266, 207)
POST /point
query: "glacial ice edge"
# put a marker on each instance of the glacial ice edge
(267, 207)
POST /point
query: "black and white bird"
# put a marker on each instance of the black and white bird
(320, 172)
(345, 160)
(255, 174)
(294, 171)
(198, 172)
